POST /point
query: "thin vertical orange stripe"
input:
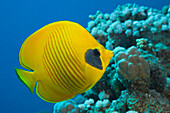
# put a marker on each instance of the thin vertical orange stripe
(60, 67)
(72, 49)
(78, 69)
(68, 45)
(50, 74)
(67, 60)
(65, 74)
(50, 67)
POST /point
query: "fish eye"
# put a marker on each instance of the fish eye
(96, 52)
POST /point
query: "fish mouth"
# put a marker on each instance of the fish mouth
(108, 55)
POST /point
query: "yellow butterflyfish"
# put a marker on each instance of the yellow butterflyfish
(62, 60)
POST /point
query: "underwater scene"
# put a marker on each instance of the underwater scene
(92, 56)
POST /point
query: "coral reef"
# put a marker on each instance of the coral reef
(157, 73)
(90, 107)
(66, 106)
(137, 79)
(128, 23)
(150, 102)
(133, 68)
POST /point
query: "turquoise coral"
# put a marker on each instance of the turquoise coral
(131, 65)
(151, 102)
(128, 23)
(65, 107)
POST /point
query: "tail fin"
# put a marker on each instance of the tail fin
(27, 78)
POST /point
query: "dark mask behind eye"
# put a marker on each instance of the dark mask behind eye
(96, 53)
(92, 57)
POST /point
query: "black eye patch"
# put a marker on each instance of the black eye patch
(92, 57)
(96, 53)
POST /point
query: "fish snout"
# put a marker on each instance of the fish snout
(109, 54)
(107, 57)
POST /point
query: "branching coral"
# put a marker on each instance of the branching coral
(90, 107)
(128, 23)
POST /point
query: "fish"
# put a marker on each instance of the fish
(60, 60)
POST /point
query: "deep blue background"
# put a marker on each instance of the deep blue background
(19, 19)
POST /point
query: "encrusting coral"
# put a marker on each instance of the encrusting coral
(150, 102)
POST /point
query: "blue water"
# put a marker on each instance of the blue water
(19, 19)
